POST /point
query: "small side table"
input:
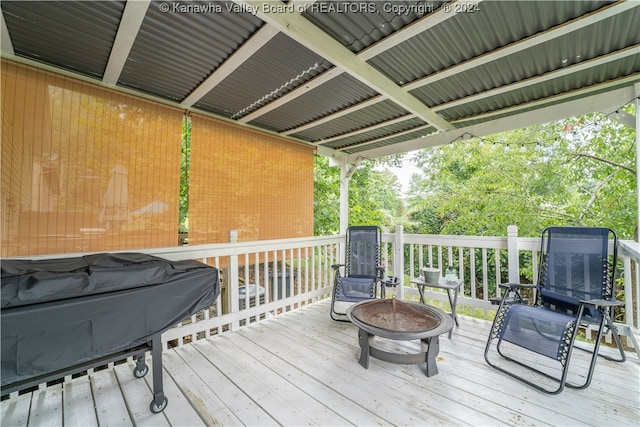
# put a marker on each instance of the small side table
(443, 283)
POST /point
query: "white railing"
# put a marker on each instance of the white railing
(293, 272)
(629, 255)
(276, 276)
(281, 275)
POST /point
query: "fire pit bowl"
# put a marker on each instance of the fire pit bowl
(399, 320)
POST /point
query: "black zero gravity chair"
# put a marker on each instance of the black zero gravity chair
(362, 270)
(574, 289)
(63, 316)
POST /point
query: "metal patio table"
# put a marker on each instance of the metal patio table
(449, 284)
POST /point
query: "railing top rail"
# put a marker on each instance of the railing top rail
(629, 248)
(177, 253)
(492, 242)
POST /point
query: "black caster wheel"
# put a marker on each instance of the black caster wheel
(156, 409)
(140, 373)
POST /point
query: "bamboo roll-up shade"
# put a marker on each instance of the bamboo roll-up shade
(85, 168)
(258, 184)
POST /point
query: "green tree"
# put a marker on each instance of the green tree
(326, 197)
(374, 196)
(185, 159)
(571, 172)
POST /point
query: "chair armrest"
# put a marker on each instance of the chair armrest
(602, 302)
(512, 287)
(337, 266)
(515, 286)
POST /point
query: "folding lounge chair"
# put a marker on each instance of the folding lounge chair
(574, 289)
(362, 270)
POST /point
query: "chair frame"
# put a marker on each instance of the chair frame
(512, 295)
(379, 270)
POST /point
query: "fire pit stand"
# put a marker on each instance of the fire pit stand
(402, 321)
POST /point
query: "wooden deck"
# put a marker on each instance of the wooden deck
(301, 368)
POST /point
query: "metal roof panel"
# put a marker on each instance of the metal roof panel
(383, 142)
(175, 51)
(359, 24)
(377, 134)
(334, 95)
(278, 67)
(75, 36)
(565, 84)
(360, 119)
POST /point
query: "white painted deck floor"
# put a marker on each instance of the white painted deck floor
(301, 368)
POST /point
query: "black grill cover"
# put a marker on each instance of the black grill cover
(58, 313)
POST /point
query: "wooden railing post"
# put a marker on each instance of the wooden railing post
(233, 281)
(398, 258)
(512, 252)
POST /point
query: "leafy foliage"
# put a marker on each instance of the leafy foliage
(374, 196)
(572, 172)
(185, 159)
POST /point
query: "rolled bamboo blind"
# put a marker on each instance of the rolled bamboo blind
(258, 184)
(85, 168)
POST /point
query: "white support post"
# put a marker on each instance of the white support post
(398, 259)
(233, 281)
(512, 252)
(346, 172)
(345, 177)
(344, 206)
(637, 92)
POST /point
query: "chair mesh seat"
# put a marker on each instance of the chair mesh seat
(354, 289)
(542, 331)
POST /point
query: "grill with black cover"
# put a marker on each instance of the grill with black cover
(65, 315)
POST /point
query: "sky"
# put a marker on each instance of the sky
(405, 172)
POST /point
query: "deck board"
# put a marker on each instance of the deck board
(302, 368)
(78, 403)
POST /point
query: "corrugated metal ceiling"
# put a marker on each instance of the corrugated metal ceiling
(73, 36)
(342, 74)
(335, 95)
(279, 66)
(173, 52)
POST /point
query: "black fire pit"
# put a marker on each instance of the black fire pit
(399, 320)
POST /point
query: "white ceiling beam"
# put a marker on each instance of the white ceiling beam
(527, 43)
(377, 48)
(615, 56)
(6, 46)
(571, 96)
(595, 62)
(132, 17)
(576, 103)
(251, 46)
(310, 36)
(624, 119)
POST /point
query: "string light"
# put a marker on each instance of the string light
(616, 114)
